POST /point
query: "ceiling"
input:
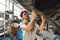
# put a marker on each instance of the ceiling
(39, 4)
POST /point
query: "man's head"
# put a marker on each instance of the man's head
(15, 18)
(24, 15)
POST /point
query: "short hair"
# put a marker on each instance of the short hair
(22, 13)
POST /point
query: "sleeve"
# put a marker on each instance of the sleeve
(22, 24)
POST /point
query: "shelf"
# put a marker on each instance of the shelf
(3, 33)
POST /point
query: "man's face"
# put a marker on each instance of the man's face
(25, 15)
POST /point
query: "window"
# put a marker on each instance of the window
(2, 5)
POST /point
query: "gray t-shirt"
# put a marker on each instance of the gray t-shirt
(31, 35)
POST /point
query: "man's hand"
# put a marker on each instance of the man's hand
(34, 13)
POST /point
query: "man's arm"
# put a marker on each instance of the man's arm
(29, 26)
(41, 27)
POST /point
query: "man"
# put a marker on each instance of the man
(29, 27)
